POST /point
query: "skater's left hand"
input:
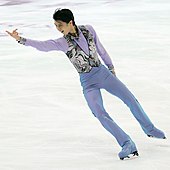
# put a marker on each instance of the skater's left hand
(113, 71)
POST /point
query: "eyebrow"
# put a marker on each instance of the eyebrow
(58, 24)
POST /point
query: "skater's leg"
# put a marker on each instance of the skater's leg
(113, 85)
(94, 100)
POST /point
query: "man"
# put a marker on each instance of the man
(82, 46)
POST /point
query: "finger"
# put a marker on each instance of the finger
(9, 32)
(14, 31)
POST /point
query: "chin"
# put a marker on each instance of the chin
(65, 34)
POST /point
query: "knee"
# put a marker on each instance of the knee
(129, 100)
(97, 109)
(101, 117)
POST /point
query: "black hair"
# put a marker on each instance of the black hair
(64, 15)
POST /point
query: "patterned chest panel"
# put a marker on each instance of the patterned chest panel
(81, 61)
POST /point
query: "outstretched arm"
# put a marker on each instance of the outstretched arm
(59, 44)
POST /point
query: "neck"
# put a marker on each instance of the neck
(74, 31)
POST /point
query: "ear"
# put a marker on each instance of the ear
(71, 22)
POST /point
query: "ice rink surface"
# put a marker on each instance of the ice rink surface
(45, 123)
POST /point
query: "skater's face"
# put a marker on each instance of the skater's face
(64, 27)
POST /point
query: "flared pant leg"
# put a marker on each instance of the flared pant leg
(114, 86)
(95, 103)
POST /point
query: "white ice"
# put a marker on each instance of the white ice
(45, 123)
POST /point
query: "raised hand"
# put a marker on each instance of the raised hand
(14, 34)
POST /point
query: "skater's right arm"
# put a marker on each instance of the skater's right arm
(59, 44)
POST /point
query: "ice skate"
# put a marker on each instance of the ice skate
(128, 149)
(156, 133)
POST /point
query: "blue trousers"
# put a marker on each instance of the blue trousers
(101, 78)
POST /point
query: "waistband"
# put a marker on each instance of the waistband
(93, 72)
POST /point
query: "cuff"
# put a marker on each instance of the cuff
(110, 67)
(22, 40)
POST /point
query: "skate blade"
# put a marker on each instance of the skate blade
(131, 156)
(156, 137)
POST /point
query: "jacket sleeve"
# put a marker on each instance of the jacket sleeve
(59, 44)
(100, 49)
